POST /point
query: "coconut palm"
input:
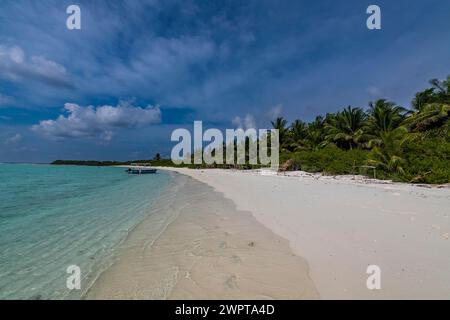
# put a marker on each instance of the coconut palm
(316, 132)
(345, 129)
(387, 150)
(280, 124)
(431, 116)
(423, 98)
(442, 89)
(296, 137)
(299, 130)
(438, 93)
(384, 116)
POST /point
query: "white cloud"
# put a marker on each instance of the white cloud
(4, 99)
(17, 138)
(275, 112)
(260, 120)
(248, 122)
(15, 65)
(97, 122)
(374, 91)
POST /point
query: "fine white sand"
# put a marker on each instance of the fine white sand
(196, 245)
(342, 225)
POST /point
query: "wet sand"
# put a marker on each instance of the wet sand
(202, 247)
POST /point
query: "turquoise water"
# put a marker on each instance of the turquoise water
(52, 217)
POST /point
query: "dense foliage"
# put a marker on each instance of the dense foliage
(396, 143)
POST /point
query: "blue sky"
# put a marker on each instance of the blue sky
(139, 69)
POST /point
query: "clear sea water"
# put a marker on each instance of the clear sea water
(52, 217)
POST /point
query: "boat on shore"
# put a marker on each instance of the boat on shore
(136, 169)
(140, 170)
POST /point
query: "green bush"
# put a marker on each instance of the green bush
(428, 161)
(329, 160)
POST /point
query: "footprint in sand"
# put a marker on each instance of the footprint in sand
(232, 282)
(236, 259)
(223, 245)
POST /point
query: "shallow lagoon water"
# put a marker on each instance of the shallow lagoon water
(52, 217)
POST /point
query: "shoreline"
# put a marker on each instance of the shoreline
(341, 226)
(202, 247)
(356, 178)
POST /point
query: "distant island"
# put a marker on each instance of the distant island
(95, 163)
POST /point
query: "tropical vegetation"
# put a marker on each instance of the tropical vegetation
(383, 139)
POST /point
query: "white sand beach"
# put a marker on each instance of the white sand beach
(340, 226)
(201, 247)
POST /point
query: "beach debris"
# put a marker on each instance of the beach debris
(287, 165)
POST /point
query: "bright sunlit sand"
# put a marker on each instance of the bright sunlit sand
(340, 226)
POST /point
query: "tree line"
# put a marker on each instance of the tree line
(403, 144)
(406, 144)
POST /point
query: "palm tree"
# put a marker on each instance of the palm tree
(297, 134)
(316, 132)
(384, 116)
(431, 116)
(299, 130)
(423, 98)
(438, 93)
(280, 124)
(345, 129)
(442, 89)
(387, 150)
